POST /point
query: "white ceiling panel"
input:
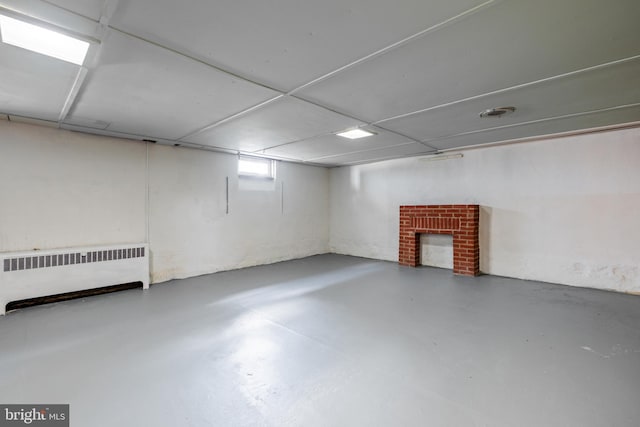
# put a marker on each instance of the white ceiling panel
(550, 127)
(76, 20)
(284, 43)
(598, 89)
(411, 149)
(142, 89)
(33, 85)
(333, 145)
(88, 8)
(512, 43)
(281, 121)
(278, 77)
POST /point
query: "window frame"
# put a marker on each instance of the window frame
(271, 168)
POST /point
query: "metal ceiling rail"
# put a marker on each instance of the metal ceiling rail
(511, 88)
(530, 122)
(282, 93)
(109, 7)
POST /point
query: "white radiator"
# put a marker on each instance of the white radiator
(34, 274)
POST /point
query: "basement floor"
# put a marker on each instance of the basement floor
(331, 340)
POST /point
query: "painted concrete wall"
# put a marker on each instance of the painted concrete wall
(191, 233)
(564, 210)
(436, 250)
(65, 189)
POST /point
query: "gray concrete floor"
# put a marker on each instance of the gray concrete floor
(331, 341)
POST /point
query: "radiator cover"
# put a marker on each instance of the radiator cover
(38, 273)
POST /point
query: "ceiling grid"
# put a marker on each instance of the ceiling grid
(279, 78)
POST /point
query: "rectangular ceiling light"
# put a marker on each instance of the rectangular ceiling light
(355, 133)
(41, 40)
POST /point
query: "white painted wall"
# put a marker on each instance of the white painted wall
(191, 233)
(436, 250)
(65, 189)
(562, 210)
(565, 210)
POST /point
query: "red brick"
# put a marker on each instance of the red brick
(459, 220)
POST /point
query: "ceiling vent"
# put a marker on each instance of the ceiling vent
(497, 112)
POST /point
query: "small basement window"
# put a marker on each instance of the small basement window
(256, 167)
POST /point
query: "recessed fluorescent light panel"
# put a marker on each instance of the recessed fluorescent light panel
(41, 40)
(355, 133)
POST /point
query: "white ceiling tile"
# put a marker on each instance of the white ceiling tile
(142, 89)
(33, 85)
(512, 43)
(83, 20)
(282, 121)
(588, 121)
(405, 150)
(332, 145)
(137, 89)
(284, 43)
(598, 89)
(88, 8)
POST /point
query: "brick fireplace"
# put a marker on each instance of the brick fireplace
(461, 221)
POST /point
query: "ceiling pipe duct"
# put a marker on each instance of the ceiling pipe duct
(442, 157)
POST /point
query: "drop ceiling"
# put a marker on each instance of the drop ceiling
(279, 78)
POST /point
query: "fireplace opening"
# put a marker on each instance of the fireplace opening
(459, 221)
(436, 250)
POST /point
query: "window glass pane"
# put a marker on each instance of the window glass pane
(252, 166)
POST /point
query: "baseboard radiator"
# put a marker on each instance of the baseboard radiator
(40, 273)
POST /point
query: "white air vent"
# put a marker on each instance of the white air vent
(497, 112)
(44, 261)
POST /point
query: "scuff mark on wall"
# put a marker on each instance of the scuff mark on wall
(616, 350)
(619, 277)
